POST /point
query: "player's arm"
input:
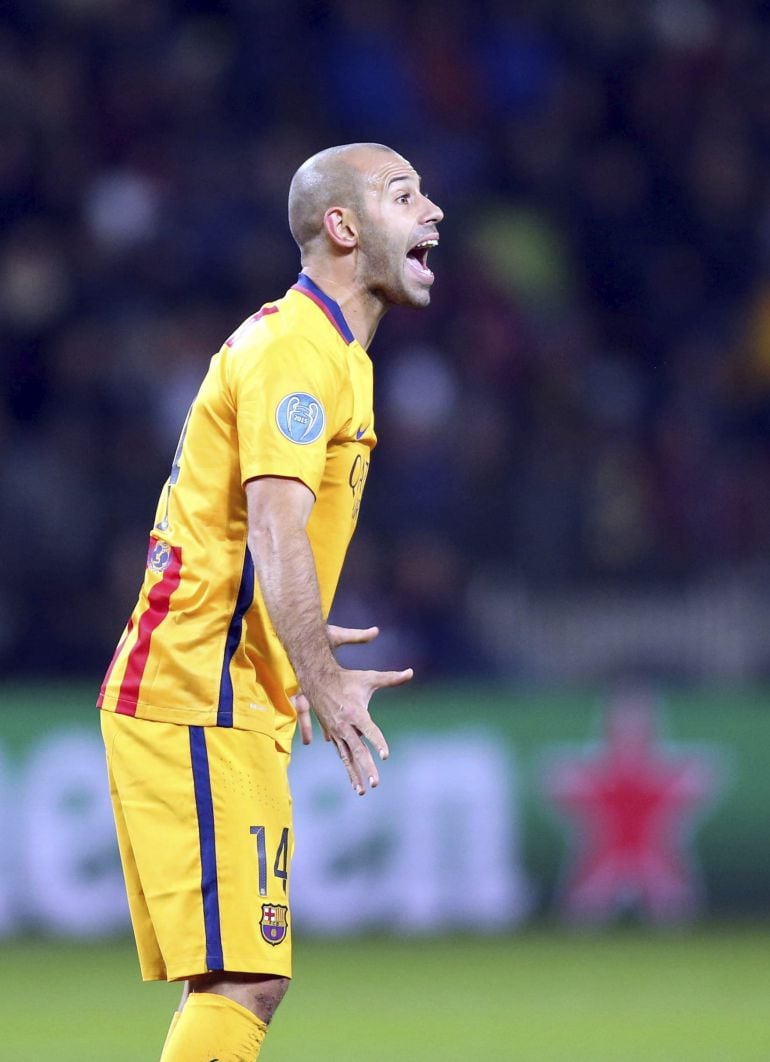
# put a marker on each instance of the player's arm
(278, 511)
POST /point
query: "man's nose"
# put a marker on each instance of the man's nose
(432, 213)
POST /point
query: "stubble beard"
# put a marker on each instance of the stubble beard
(383, 274)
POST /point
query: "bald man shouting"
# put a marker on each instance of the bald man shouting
(228, 645)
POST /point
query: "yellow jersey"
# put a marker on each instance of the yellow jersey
(289, 394)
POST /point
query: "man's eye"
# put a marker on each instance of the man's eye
(404, 198)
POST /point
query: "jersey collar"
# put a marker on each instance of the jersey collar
(308, 287)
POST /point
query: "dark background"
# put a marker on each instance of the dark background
(573, 474)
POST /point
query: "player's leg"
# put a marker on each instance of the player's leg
(259, 993)
(208, 816)
(225, 1017)
(150, 957)
(151, 963)
(244, 785)
(177, 1015)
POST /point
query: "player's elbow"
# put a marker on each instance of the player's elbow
(274, 543)
(263, 541)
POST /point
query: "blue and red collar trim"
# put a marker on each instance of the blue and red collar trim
(308, 287)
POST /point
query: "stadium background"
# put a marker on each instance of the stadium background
(565, 532)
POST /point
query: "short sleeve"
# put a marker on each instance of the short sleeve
(286, 399)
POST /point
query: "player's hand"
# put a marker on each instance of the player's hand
(340, 701)
(337, 636)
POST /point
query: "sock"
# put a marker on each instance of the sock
(172, 1026)
(213, 1028)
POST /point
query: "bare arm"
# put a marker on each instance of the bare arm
(278, 511)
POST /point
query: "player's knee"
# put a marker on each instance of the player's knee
(259, 993)
(266, 995)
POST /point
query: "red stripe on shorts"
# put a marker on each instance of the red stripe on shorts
(158, 603)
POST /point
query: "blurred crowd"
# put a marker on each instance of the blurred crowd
(587, 400)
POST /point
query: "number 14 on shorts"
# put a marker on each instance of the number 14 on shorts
(280, 869)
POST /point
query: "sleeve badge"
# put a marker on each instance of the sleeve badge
(300, 418)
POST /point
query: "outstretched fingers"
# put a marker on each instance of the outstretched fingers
(358, 762)
(350, 635)
(303, 718)
(375, 737)
(347, 721)
(380, 679)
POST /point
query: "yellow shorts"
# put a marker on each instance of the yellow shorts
(203, 816)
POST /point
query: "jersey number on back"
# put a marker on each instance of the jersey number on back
(162, 525)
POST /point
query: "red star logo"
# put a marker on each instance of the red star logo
(632, 800)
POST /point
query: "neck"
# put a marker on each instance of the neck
(363, 311)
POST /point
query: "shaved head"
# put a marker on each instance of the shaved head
(334, 177)
(364, 227)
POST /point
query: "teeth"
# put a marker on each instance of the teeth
(425, 243)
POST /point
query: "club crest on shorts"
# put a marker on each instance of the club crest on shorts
(300, 417)
(158, 556)
(274, 922)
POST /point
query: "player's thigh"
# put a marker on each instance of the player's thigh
(208, 814)
(154, 798)
(255, 843)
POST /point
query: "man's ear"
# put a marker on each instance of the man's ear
(341, 227)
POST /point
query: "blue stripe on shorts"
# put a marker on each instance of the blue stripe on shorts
(205, 808)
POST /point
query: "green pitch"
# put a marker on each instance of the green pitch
(538, 996)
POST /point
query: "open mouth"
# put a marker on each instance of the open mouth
(417, 257)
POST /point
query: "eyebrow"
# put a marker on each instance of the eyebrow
(403, 177)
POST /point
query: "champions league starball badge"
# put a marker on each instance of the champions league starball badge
(273, 922)
(300, 417)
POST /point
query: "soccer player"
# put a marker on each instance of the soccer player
(228, 644)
